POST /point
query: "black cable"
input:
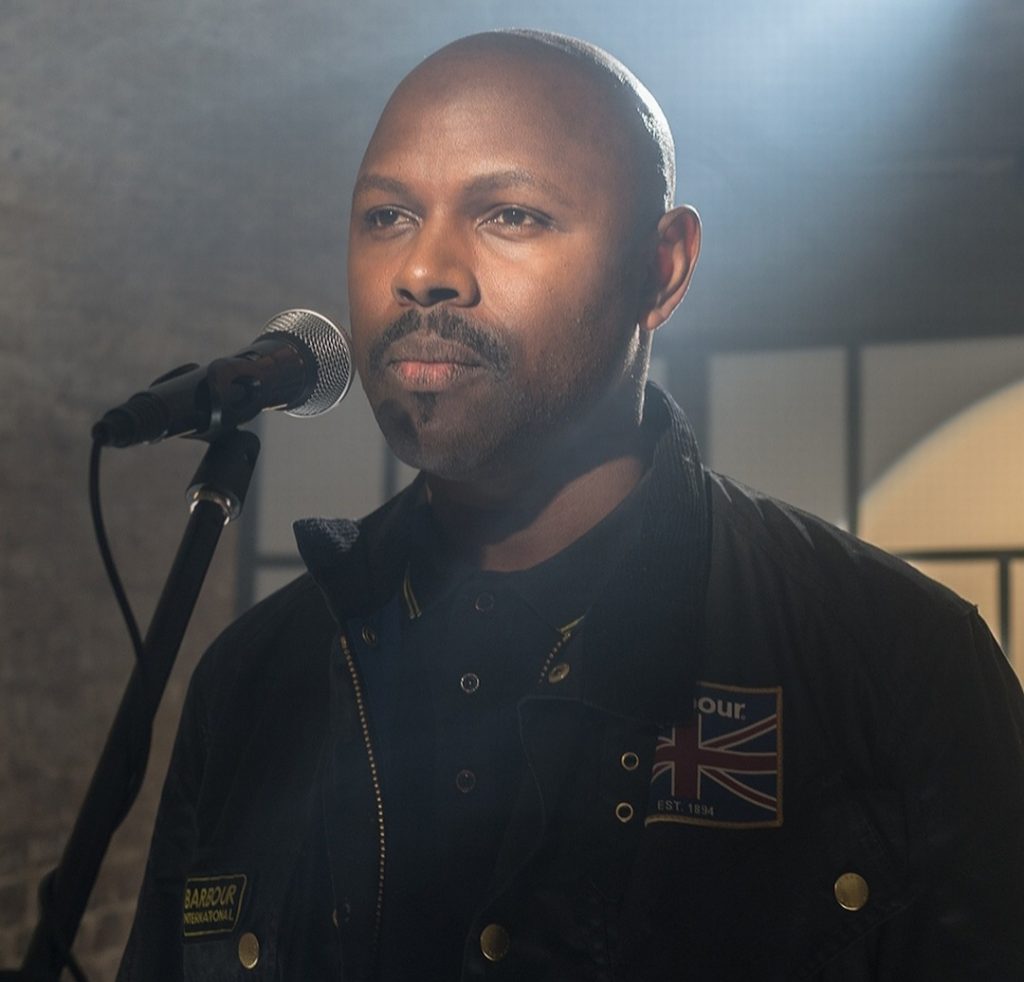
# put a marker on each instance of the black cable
(104, 547)
(140, 746)
(46, 887)
(141, 740)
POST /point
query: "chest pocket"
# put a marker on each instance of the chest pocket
(770, 903)
(222, 936)
(593, 772)
(241, 955)
(276, 921)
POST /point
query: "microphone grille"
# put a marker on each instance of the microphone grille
(331, 353)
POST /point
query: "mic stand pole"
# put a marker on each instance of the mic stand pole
(216, 497)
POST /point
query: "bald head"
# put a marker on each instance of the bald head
(630, 105)
(599, 102)
(512, 249)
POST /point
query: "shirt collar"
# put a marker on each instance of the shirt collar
(643, 637)
(560, 590)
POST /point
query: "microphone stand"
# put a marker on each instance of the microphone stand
(216, 496)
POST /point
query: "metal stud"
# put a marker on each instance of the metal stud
(248, 950)
(851, 890)
(558, 673)
(494, 942)
(624, 812)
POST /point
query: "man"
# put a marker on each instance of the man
(570, 707)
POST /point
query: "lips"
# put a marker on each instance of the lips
(428, 353)
(427, 363)
(431, 349)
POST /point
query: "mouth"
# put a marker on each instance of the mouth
(431, 364)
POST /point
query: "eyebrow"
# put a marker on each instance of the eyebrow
(377, 182)
(484, 184)
(502, 180)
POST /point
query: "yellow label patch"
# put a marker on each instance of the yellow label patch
(212, 904)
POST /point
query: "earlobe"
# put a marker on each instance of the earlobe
(674, 260)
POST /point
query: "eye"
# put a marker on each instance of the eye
(513, 217)
(382, 219)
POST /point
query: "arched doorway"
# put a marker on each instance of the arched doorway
(954, 505)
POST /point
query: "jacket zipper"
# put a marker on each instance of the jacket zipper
(375, 780)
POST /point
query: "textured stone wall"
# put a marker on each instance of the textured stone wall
(173, 174)
(164, 189)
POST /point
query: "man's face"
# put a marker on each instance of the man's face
(493, 299)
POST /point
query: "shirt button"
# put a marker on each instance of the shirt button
(469, 682)
(851, 890)
(248, 950)
(465, 781)
(494, 942)
(484, 602)
(370, 636)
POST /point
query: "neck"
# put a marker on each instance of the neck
(523, 516)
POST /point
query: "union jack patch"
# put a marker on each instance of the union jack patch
(724, 767)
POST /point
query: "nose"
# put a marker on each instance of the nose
(437, 268)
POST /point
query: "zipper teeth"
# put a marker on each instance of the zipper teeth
(559, 644)
(375, 780)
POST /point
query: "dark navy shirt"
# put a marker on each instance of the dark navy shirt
(445, 668)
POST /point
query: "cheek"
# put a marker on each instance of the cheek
(547, 286)
(572, 300)
(367, 281)
(369, 304)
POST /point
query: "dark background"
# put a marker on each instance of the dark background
(172, 174)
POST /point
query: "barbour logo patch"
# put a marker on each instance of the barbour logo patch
(212, 904)
(724, 767)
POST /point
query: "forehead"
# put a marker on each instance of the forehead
(468, 114)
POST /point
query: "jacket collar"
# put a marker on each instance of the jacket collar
(643, 638)
(359, 565)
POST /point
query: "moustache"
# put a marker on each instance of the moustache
(449, 326)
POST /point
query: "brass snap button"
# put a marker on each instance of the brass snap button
(465, 781)
(851, 890)
(624, 811)
(469, 682)
(630, 761)
(248, 950)
(484, 602)
(369, 636)
(494, 942)
(558, 673)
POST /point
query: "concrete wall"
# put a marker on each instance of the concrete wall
(171, 175)
(165, 187)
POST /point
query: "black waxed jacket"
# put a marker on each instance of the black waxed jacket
(779, 754)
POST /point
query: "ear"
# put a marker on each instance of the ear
(672, 266)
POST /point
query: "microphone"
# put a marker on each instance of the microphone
(300, 363)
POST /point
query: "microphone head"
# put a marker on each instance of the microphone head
(331, 355)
